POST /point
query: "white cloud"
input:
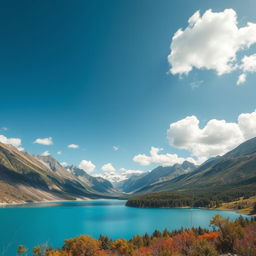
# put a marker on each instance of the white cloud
(108, 168)
(215, 138)
(73, 146)
(241, 79)
(116, 148)
(249, 63)
(196, 84)
(110, 173)
(45, 141)
(248, 66)
(128, 172)
(16, 142)
(211, 41)
(161, 159)
(45, 153)
(247, 124)
(59, 152)
(87, 166)
(117, 176)
(142, 159)
(64, 164)
(4, 129)
(112, 176)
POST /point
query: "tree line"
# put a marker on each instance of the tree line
(207, 199)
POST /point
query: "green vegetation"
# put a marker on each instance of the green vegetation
(156, 200)
(207, 199)
(242, 205)
(226, 236)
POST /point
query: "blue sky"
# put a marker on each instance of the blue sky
(95, 74)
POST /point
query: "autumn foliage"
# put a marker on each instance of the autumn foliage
(238, 237)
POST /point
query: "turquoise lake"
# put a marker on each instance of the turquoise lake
(38, 223)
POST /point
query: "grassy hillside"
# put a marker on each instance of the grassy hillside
(242, 205)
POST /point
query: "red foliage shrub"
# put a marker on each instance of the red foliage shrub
(211, 236)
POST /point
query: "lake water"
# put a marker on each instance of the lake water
(34, 224)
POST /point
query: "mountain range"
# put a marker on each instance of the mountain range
(25, 177)
(234, 172)
(156, 176)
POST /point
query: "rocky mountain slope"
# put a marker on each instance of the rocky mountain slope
(24, 177)
(234, 172)
(156, 176)
(97, 183)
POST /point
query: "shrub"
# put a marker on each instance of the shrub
(228, 233)
(82, 246)
(203, 248)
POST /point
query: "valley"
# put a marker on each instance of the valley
(213, 184)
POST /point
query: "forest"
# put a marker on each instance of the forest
(223, 236)
(197, 198)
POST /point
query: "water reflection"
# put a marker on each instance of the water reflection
(67, 204)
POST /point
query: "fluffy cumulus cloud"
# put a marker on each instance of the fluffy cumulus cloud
(215, 138)
(108, 168)
(248, 66)
(161, 159)
(74, 146)
(247, 124)
(16, 142)
(211, 41)
(87, 166)
(45, 153)
(45, 141)
(59, 152)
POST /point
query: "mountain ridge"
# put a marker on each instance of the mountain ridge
(157, 175)
(24, 178)
(228, 171)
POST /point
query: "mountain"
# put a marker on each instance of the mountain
(158, 175)
(97, 183)
(127, 184)
(234, 173)
(246, 148)
(24, 177)
(54, 166)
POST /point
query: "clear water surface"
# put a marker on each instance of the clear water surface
(39, 223)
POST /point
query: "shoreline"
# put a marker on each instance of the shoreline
(233, 210)
(202, 208)
(2, 205)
